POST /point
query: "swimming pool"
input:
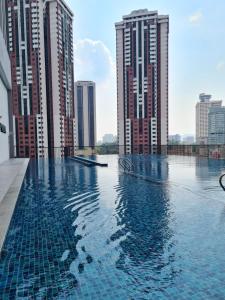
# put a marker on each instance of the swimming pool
(96, 233)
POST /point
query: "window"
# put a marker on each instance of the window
(22, 20)
(24, 67)
(140, 78)
(139, 39)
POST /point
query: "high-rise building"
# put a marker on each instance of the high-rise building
(40, 43)
(202, 110)
(142, 81)
(60, 77)
(216, 126)
(26, 49)
(5, 87)
(85, 116)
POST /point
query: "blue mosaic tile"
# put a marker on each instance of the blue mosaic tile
(97, 233)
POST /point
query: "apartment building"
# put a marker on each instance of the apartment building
(216, 125)
(202, 111)
(85, 108)
(142, 81)
(40, 44)
(59, 77)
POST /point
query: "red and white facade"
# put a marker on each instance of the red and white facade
(26, 50)
(142, 82)
(60, 77)
(40, 45)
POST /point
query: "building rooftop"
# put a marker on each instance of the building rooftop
(140, 13)
(81, 82)
(205, 97)
(215, 109)
(144, 12)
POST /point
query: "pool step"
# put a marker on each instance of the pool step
(88, 162)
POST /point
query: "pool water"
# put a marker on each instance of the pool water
(97, 233)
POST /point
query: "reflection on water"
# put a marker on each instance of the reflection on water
(45, 241)
(143, 215)
(208, 168)
(156, 167)
(96, 233)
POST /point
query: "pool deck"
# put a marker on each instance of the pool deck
(12, 173)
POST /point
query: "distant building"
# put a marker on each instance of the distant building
(85, 114)
(216, 126)
(109, 138)
(99, 143)
(5, 87)
(175, 139)
(188, 139)
(142, 81)
(202, 109)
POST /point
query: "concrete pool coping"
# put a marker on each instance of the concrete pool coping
(12, 173)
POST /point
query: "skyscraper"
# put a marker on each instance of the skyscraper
(26, 49)
(59, 76)
(216, 125)
(202, 110)
(142, 81)
(40, 43)
(85, 108)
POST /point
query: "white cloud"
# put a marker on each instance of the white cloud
(220, 66)
(94, 61)
(196, 17)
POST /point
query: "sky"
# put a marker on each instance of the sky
(196, 54)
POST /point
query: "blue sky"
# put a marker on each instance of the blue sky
(196, 54)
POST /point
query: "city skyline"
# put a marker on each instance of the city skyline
(94, 61)
(192, 67)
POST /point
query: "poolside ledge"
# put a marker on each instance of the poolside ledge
(12, 173)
